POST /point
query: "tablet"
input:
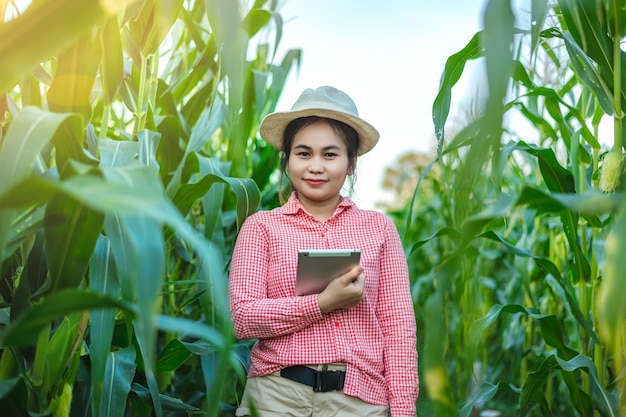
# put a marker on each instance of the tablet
(316, 268)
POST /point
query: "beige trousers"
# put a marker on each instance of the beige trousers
(275, 396)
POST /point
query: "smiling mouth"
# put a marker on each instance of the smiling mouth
(315, 182)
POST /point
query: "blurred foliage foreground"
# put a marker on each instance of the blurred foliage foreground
(129, 156)
(516, 233)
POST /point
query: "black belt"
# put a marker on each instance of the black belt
(321, 381)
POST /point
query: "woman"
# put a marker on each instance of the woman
(349, 350)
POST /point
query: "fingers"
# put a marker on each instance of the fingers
(359, 282)
(344, 292)
(352, 275)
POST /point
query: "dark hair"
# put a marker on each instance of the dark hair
(348, 135)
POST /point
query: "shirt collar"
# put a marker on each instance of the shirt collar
(293, 205)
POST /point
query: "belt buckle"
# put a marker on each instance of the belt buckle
(326, 381)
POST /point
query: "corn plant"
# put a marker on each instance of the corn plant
(128, 158)
(515, 246)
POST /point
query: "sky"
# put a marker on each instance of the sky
(388, 56)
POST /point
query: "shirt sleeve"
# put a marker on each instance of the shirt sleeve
(255, 316)
(397, 318)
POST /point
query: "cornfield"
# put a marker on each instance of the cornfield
(129, 156)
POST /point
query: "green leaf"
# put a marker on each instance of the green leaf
(451, 74)
(475, 223)
(549, 325)
(278, 23)
(74, 79)
(29, 89)
(191, 328)
(30, 131)
(550, 268)
(172, 356)
(538, 13)
(279, 78)
(112, 67)
(616, 16)
(63, 344)
(611, 302)
(591, 203)
(446, 231)
(119, 374)
(148, 144)
(156, 20)
(533, 390)
(255, 20)
(102, 280)
(210, 120)
(485, 393)
(232, 43)
(26, 327)
(13, 394)
(246, 191)
(71, 231)
(497, 42)
(25, 223)
(114, 153)
(586, 69)
(521, 75)
(557, 178)
(169, 403)
(132, 190)
(7, 385)
(138, 247)
(23, 45)
(588, 27)
(605, 401)
(169, 152)
(200, 347)
(33, 277)
(213, 200)
(553, 104)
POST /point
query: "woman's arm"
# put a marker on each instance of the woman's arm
(397, 318)
(255, 316)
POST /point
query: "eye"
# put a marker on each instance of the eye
(330, 154)
(303, 154)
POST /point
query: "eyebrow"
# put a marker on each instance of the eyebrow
(324, 149)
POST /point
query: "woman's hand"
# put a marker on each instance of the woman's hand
(343, 292)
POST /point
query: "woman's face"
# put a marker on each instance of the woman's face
(318, 164)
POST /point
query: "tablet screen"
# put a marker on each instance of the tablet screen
(316, 268)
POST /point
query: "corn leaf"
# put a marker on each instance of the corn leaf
(112, 67)
(25, 328)
(23, 45)
(75, 77)
(29, 133)
(451, 75)
(119, 373)
(102, 280)
(71, 231)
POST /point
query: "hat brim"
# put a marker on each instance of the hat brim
(273, 126)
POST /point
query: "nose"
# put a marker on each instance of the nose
(316, 165)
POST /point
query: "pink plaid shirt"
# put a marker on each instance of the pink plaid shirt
(376, 338)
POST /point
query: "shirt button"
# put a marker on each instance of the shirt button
(337, 324)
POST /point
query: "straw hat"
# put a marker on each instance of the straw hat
(322, 102)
